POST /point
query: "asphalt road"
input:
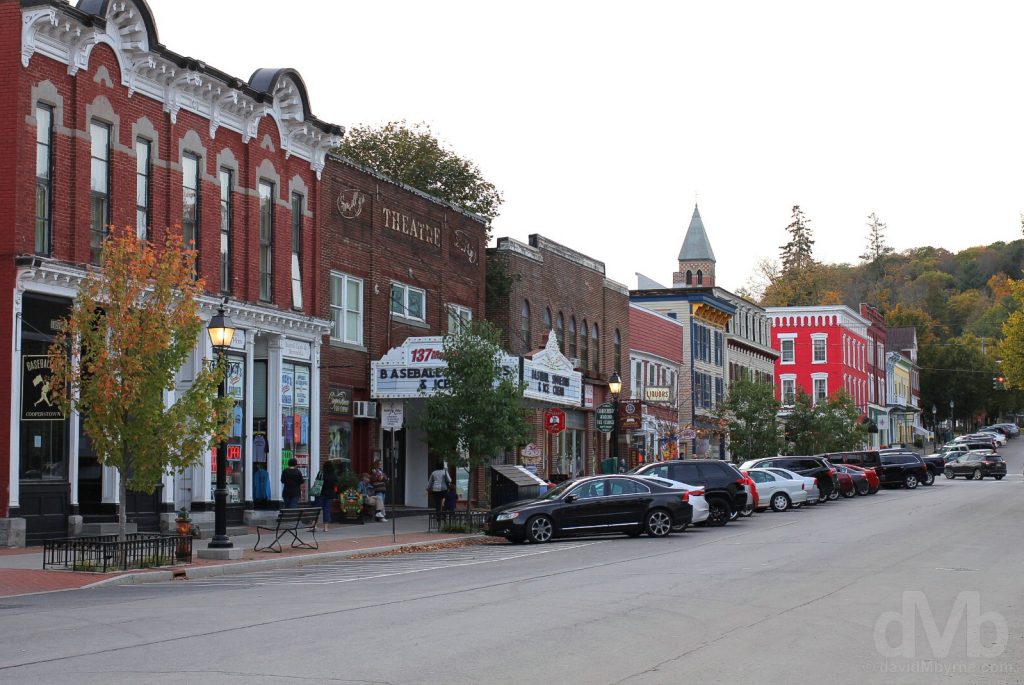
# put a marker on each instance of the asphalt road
(900, 587)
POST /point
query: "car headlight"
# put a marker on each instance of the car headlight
(507, 516)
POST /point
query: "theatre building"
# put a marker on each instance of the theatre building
(103, 125)
(564, 293)
(399, 269)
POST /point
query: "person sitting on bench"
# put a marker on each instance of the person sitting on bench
(366, 488)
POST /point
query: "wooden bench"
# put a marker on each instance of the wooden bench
(292, 522)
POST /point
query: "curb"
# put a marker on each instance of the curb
(242, 567)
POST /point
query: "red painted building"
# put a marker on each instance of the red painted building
(822, 350)
(103, 125)
(656, 362)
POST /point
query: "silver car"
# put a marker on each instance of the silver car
(777, 492)
(810, 484)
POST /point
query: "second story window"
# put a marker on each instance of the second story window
(560, 332)
(297, 201)
(142, 195)
(524, 326)
(596, 339)
(818, 344)
(266, 191)
(190, 201)
(44, 179)
(584, 346)
(617, 351)
(408, 302)
(571, 339)
(347, 309)
(99, 187)
(459, 318)
(225, 178)
(786, 347)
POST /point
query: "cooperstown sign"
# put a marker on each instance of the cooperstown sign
(416, 369)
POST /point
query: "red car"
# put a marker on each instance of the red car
(874, 482)
(847, 488)
(752, 489)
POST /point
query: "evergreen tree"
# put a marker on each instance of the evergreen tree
(797, 254)
(876, 239)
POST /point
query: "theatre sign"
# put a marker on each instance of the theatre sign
(417, 369)
(549, 377)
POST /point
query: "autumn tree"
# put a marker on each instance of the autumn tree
(131, 328)
(797, 254)
(876, 239)
(413, 155)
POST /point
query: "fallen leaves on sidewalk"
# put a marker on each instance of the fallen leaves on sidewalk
(437, 547)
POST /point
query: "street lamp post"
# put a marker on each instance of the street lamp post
(935, 429)
(952, 421)
(221, 332)
(615, 387)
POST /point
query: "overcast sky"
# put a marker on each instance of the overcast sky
(602, 122)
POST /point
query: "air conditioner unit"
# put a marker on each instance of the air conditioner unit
(364, 410)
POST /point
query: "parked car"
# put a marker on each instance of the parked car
(874, 483)
(810, 483)
(997, 435)
(696, 493)
(858, 479)
(593, 505)
(863, 458)
(932, 470)
(979, 440)
(977, 465)
(901, 469)
(724, 487)
(1012, 429)
(818, 468)
(777, 492)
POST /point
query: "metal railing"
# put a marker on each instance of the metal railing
(103, 553)
(456, 521)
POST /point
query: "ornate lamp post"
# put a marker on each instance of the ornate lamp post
(952, 422)
(935, 429)
(615, 387)
(221, 332)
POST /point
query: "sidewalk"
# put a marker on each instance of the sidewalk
(21, 569)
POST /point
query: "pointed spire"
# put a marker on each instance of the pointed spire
(696, 245)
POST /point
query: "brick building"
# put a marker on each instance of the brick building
(399, 269)
(564, 291)
(876, 340)
(106, 126)
(656, 364)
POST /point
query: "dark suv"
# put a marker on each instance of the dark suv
(902, 468)
(933, 462)
(818, 468)
(723, 485)
(872, 459)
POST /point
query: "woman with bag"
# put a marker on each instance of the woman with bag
(325, 489)
(437, 485)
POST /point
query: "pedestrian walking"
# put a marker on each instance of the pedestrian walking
(291, 480)
(437, 484)
(451, 498)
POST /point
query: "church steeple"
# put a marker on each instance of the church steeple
(696, 258)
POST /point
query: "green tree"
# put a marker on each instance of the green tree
(751, 411)
(480, 413)
(876, 239)
(797, 254)
(131, 328)
(830, 425)
(414, 156)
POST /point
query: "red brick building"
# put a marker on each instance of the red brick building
(875, 370)
(656, 362)
(396, 265)
(104, 125)
(561, 290)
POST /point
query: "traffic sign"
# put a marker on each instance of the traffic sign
(606, 417)
(554, 420)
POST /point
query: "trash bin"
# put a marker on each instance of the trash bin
(512, 483)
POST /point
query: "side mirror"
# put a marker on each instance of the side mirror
(569, 499)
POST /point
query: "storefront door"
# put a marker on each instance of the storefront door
(394, 466)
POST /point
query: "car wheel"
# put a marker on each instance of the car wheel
(833, 494)
(977, 475)
(852, 492)
(719, 512)
(780, 502)
(948, 473)
(747, 510)
(910, 481)
(864, 489)
(929, 479)
(822, 498)
(659, 523)
(998, 477)
(540, 529)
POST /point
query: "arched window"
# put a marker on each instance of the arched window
(560, 332)
(547, 321)
(572, 337)
(584, 346)
(700, 277)
(524, 326)
(617, 362)
(689, 277)
(596, 339)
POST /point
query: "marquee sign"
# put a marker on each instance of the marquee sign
(549, 377)
(416, 369)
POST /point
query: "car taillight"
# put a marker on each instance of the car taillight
(696, 493)
(987, 463)
(685, 497)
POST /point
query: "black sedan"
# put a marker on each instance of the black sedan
(593, 505)
(976, 465)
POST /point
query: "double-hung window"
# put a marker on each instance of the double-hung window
(190, 201)
(44, 178)
(820, 387)
(787, 347)
(347, 309)
(788, 391)
(818, 349)
(458, 318)
(297, 202)
(99, 187)
(408, 302)
(266, 192)
(225, 178)
(143, 168)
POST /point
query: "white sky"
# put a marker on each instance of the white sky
(601, 121)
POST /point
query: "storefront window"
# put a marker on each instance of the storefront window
(568, 459)
(295, 431)
(43, 435)
(339, 445)
(236, 434)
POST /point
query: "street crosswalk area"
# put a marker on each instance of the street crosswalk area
(368, 568)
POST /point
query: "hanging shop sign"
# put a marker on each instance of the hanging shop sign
(554, 420)
(606, 417)
(630, 416)
(549, 377)
(37, 401)
(417, 369)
